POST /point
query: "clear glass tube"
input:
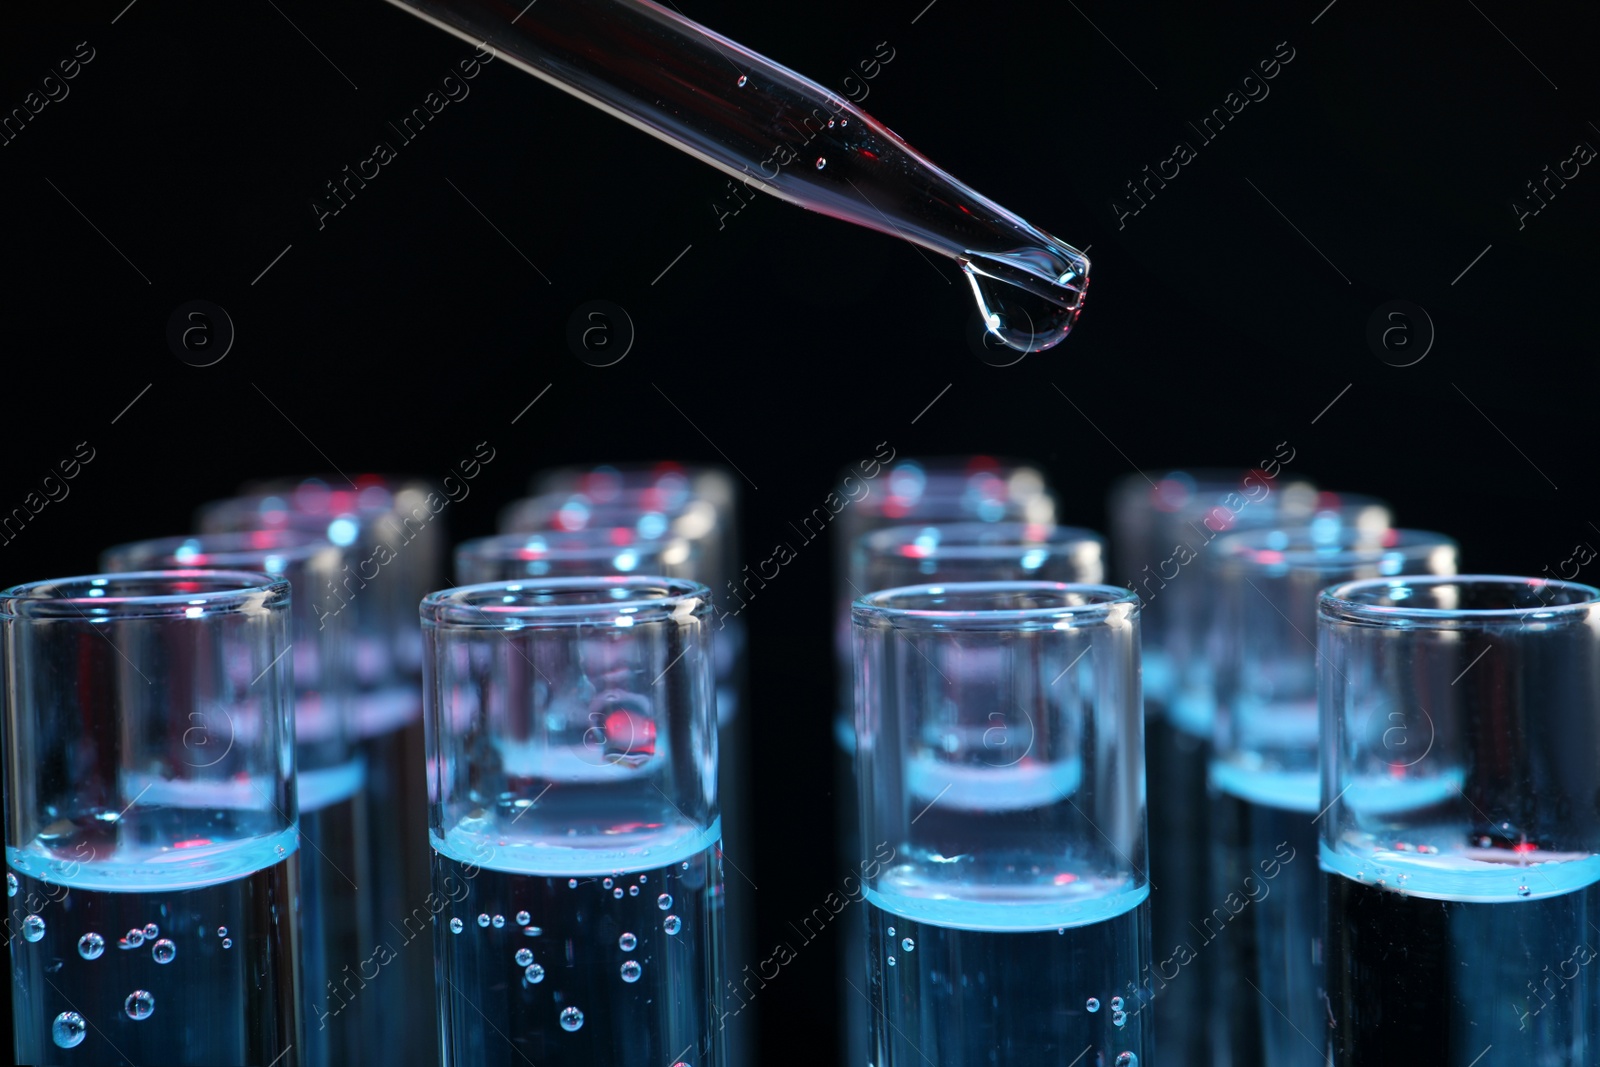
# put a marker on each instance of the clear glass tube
(596, 550)
(151, 818)
(977, 552)
(782, 134)
(1000, 774)
(335, 915)
(1265, 774)
(1461, 732)
(1161, 525)
(572, 748)
(388, 537)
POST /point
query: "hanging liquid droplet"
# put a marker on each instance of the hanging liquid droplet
(1029, 298)
(69, 1029)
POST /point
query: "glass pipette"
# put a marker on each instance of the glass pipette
(783, 134)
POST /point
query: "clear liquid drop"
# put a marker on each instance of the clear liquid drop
(1029, 298)
(140, 1005)
(69, 1029)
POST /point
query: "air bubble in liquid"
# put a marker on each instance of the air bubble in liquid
(1127, 1059)
(524, 957)
(91, 946)
(571, 1019)
(140, 1005)
(523, 918)
(627, 942)
(617, 893)
(456, 926)
(534, 974)
(643, 878)
(69, 1029)
(891, 931)
(227, 942)
(664, 901)
(531, 931)
(32, 928)
(499, 921)
(672, 924)
(1093, 1005)
(686, 865)
(164, 951)
(908, 944)
(821, 162)
(483, 919)
(1116, 1003)
(11, 884)
(1119, 1018)
(891, 961)
(633, 890)
(742, 81)
(1523, 891)
(572, 883)
(222, 931)
(151, 931)
(631, 971)
(132, 939)
(608, 883)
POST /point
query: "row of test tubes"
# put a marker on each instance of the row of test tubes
(1289, 791)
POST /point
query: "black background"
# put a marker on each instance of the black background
(407, 329)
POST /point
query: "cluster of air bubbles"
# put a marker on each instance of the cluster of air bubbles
(571, 1019)
(524, 957)
(534, 974)
(631, 971)
(69, 1029)
(140, 1005)
(91, 946)
(164, 951)
(134, 939)
(1093, 1005)
(523, 918)
(456, 925)
(32, 928)
(664, 901)
(672, 924)
(909, 945)
(627, 942)
(499, 921)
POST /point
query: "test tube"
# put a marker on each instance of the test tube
(1460, 843)
(152, 837)
(371, 596)
(598, 550)
(572, 747)
(875, 495)
(977, 552)
(650, 510)
(1000, 773)
(1162, 525)
(335, 923)
(1266, 915)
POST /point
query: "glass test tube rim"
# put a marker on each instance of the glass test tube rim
(218, 592)
(235, 550)
(585, 543)
(599, 601)
(1099, 604)
(976, 540)
(1349, 602)
(1354, 546)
